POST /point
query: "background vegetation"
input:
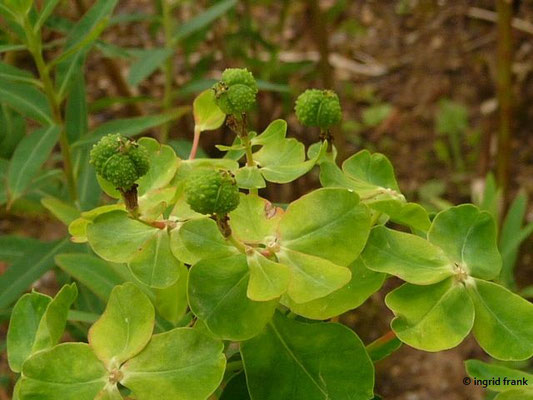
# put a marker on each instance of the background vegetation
(443, 88)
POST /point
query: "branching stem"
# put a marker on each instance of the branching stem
(35, 47)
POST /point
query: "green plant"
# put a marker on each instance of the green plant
(239, 292)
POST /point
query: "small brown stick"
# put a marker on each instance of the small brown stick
(491, 16)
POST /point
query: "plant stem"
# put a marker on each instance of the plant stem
(320, 35)
(35, 48)
(234, 366)
(240, 127)
(505, 94)
(195, 143)
(169, 67)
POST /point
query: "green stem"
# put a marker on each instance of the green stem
(241, 129)
(234, 366)
(169, 67)
(238, 244)
(35, 48)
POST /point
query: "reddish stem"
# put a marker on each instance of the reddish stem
(195, 144)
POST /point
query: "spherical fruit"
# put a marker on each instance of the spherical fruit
(212, 192)
(120, 160)
(320, 108)
(235, 93)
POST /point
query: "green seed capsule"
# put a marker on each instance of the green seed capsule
(212, 192)
(320, 108)
(235, 93)
(120, 160)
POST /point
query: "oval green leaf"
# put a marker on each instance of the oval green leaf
(23, 326)
(468, 237)
(116, 237)
(327, 223)
(268, 279)
(217, 295)
(295, 360)
(124, 328)
(154, 264)
(504, 321)
(178, 364)
(407, 256)
(362, 285)
(431, 318)
(70, 369)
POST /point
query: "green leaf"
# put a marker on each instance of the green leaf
(12, 247)
(250, 178)
(504, 321)
(91, 271)
(14, 74)
(88, 189)
(433, 317)
(70, 369)
(78, 227)
(80, 38)
(255, 219)
(153, 264)
(207, 115)
(179, 364)
(273, 133)
(148, 61)
(171, 302)
(54, 319)
(516, 394)
(45, 12)
(370, 172)
(268, 279)
(130, 126)
(163, 165)
(64, 212)
(203, 20)
(25, 319)
(376, 114)
(116, 237)
(14, 130)
(27, 100)
(19, 7)
(327, 223)
(468, 237)
(27, 270)
(362, 285)
(217, 295)
(124, 328)
(492, 372)
(29, 157)
(408, 214)
(307, 361)
(407, 256)
(76, 110)
(312, 277)
(199, 239)
(511, 237)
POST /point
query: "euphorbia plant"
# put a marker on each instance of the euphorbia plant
(241, 289)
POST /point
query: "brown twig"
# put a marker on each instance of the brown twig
(491, 16)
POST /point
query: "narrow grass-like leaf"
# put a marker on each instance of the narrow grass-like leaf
(203, 20)
(27, 100)
(29, 156)
(27, 270)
